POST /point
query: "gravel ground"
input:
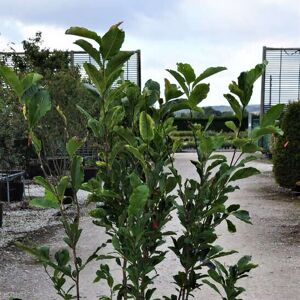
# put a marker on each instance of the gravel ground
(273, 241)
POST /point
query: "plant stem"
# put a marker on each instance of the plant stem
(124, 274)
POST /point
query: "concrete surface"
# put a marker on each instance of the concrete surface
(273, 241)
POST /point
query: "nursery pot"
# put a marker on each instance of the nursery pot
(69, 196)
(33, 171)
(89, 173)
(16, 191)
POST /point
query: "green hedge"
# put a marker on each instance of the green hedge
(217, 125)
(286, 149)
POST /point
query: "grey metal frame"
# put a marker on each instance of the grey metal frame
(280, 81)
(4, 177)
(132, 68)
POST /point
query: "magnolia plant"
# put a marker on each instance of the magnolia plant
(138, 189)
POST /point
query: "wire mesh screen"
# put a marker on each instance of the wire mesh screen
(132, 68)
(281, 79)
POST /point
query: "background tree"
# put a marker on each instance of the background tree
(286, 153)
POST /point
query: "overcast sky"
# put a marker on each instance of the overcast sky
(204, 33)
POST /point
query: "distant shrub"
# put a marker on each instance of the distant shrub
(286, 152)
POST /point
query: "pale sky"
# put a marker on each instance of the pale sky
(204, 33)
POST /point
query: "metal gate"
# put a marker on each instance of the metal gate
(132, 68)
(281, 79)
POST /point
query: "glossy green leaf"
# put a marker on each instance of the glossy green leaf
(12, 79)
(207, 73)
(37, 144)
(151, 92)
(44, 203)
(73, 144)
(244, 173)
(112, 41)
(62, 257)
(243, 215)
(88, 48)
(259, 132)
(117, 61)
(44, 183)
(250, 148)
(37, 107)
(230, 226)
(231, 125)
(171, 91)
(30, 79)
(61, 186)
(234, 105)
(96, 76)
(180, 79)
(272, 115)
(198, 93)
(146, 126)
(138, 200)
(84, 32)
(209, 121)
(187, 71)
(76, 173)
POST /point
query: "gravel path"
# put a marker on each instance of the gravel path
(273, 241)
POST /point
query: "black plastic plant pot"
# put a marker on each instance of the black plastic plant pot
(16, 191)
(89, 173)
(69, 196)
(33, 171)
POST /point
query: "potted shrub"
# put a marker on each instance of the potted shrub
(12, 152)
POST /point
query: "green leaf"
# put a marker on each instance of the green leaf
(207, 73)
(213, 286)
(250, 148)
(151, 92)
(198, 93)
(146, 126)
(187, 71)
(234, 105)
(258, 132)
(243, 215)
(117, 61)
(11, 79)
(62, 257)
(170, 184)
(73, 145)
(231, 125)
(138, 200)
(45, 184)
(44, 203)
(230, 226)
(37, 144)
(30, 79)
(95, 76)
(62, 185)
(86, 33)
(272, 115)
(215, 276)
(112, 41)
(244, 173)
(88, 48)
(76, 173)
(209, 121)
(176, 105)
(180, 80)
(171, 91)
(37, 106)
(246, 81)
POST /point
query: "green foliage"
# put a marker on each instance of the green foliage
(286, 149)
(135, 186)
(228, 277)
